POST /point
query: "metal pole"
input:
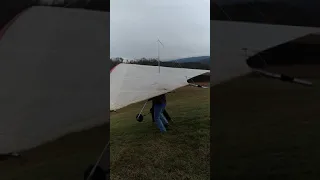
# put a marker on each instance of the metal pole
(98, 161)
(158, 56)
(143, 108)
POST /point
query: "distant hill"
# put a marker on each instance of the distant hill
(201, 59)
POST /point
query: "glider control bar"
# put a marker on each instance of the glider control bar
(139, 116)
(89, 177)
(283, 77)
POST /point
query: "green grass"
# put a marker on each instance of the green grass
(64, 159)
(265, 129)
(140, 151)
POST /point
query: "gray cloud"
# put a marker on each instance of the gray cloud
(183, 26)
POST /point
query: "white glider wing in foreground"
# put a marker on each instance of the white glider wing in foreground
(50, 84)
(229, 39)
(130, 83)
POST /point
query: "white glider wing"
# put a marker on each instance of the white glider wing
(130, 83)
(50, 86)
(229, 39)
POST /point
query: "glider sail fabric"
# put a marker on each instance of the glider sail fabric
(130, 83)
(229, 39)
(53, 75)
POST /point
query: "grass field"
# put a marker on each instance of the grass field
(265, 129)
(261, 129)
(138, 150)
(64, 159)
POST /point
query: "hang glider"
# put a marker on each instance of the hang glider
(53, 75)
(229, 39)
(130, 83)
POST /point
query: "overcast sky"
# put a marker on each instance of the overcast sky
(183, 26)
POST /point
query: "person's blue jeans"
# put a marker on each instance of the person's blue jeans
(159, 118)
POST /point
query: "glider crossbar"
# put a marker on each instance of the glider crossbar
(283, 77)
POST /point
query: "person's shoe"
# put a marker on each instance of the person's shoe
(166, 126)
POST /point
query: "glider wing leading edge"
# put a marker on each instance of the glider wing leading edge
(130, 83)
(229, 40)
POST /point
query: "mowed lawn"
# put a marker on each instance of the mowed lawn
(64, 159)
(265, 129)
(140, 151)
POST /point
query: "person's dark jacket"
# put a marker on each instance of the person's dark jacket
(159, 99)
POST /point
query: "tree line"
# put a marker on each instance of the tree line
(154, 62)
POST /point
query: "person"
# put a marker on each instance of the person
(159, 105)
(165, 113)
